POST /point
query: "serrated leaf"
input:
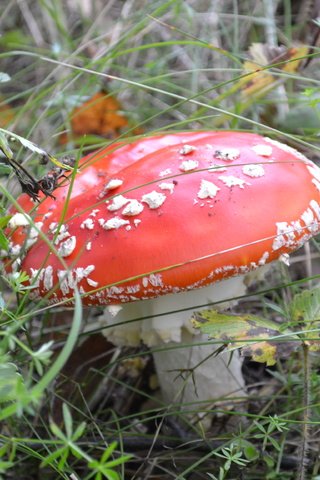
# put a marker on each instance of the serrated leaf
(305, 306)
(9, 378)
(243, 330)
(305, 310)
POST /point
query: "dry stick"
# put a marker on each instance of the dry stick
(302, 464)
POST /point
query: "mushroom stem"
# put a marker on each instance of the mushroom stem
(187, 367)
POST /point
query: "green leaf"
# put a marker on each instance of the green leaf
(79, 431)
(4, 243)
(305, 306)
(57, 431)
(4, 220)
(257, 337)
(5, 169)
(67, 418)
(305, 309)
(4, 145)
(9, 379)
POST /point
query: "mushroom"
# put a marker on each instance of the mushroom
(170, 215)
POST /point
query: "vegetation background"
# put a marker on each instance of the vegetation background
(74, 406)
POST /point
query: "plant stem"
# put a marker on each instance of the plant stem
(306, 413)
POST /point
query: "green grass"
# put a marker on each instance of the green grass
(66, 414)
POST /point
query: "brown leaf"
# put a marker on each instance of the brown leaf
(100, 115)
(6, 113)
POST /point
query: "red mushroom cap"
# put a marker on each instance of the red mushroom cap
(209, 206)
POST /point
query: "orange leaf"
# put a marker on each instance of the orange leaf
(6, 113)
(100, 115)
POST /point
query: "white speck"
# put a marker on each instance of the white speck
(188, 165)
(36, 276)
(316, 207)
(19, 220)
(63, 281)
(311, 223)
(155, 279)
(89, 269)
(227, 154)
(115, 290)
(136, 222)
(264, 258)
(114, 183)
(47, 215)
(287, 149)
(114, 309)
(94, 212)
(262, 150)
(92, 283)
(285, 236)
(134, 207)
(14, 249)
(133, 289)
(207, 189)
(16, 266)
(154, 199)
(79, 274)
(253, 171)
(38, 225)
(314, 171)
(48, 278)
(89, 246)
(118, 202)
(53, 226)
(67, 247)
(316, 183)
(87, 223)
(186, 149)
(111, 185)
(63, 233)
(69, 279)
(101, 221)
(33, 235)
(284, 258)
(167, 186)
(128, 228)
(115, 223)
(232, 181)
(165, 173)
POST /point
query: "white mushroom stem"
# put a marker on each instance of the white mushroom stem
(214, 377)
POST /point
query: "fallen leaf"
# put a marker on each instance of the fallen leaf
(6, 113)
(100, 115)
(261, 80)
(261, 339)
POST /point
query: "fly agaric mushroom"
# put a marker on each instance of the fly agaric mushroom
(184, 212)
